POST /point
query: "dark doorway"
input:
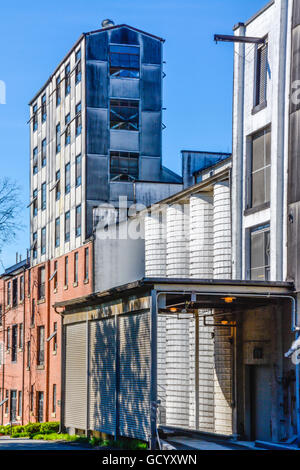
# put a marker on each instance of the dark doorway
(260, 403)
(13, 406)
(40, 407)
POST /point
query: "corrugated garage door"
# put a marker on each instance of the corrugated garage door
(102, 381)
(75, 376)
(134, 396)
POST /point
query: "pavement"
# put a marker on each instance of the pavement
(8, 443)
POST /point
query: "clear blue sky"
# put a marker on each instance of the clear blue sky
(35, 35)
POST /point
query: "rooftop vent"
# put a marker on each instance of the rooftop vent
(107, 23)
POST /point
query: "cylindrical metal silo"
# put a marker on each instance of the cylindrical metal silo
(222, 231)
(178, 241)
(155, 245)
(201, 236)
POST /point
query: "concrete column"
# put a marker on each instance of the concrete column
(177, 241)
(155, 245)
(201, 236)
(222, 231)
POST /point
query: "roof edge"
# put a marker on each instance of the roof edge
(256, 15)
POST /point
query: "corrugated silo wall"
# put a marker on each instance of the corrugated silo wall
(293, 244)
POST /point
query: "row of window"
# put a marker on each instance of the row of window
(15, 291)
(14, 403)
(67, 80)
(14, 340)
(67, 128)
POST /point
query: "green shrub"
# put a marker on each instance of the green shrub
(6, 430)
(20, 434)
(49, 427)
(33, 428)
(17, 430)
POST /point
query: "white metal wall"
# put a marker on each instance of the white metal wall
(201, 236)
(222, 231)
(155, 245)
(177, 241)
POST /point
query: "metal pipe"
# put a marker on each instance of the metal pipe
(297, 373)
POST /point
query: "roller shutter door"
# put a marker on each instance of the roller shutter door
(102, 382)
(75, 376)
(135, 366)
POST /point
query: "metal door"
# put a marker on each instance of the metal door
(261, 403)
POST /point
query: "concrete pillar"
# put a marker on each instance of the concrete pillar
(222, 231)
(177, 241)
(201, 236)
(155, 245)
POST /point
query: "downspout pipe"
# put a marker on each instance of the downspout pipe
(297, 373)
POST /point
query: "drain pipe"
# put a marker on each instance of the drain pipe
(297, 373)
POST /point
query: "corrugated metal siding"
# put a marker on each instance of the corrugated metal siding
(135, 363)
(75, 376)
(102, 381)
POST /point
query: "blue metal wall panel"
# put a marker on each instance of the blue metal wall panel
(97, 46)
(151, 50)
(151, 88)
(151, 133)
(124, 88)
(96, 84)
(124, 36)
(124, 140)
(97, 131)
(97, 177)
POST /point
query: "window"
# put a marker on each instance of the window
(41, 345)
(86, 264)
(78, 67)
(124, 61)
(34, 117)
(260, 169)
(57, 232)
(8, 299)
(44, 147)
(261, 74)
(14, 343)
(32, 398)
(1, 313)
(76, 267)
(29, 283)
(58, 138)
(15, 292)
(28, 355)
(67, 226)
(57, 186)
(54, 399)
(44, 108)
(6, 403)
(78, 122)
(67, 178)
(21, 288)
(32, 319)
(124, 165)
(124, 114)
(34, 245)
(68, 129)
(67, 80)
(260, 253)
(58, 91)
(43, 240)
(55, 278)
(55, 337)
(43, 205)
(20, 404)
(21, 336)
(66, 270)
(35, 203)
(78, 221)
(78, 170)
(35, 161)
(41, 282)
(8, 338)
(13, 406)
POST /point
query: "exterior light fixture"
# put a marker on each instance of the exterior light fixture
(173, 309)
(229, 300)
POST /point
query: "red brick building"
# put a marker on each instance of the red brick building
(30, 333)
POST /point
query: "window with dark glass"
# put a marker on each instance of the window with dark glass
(28, 355)
(20, 404)
(8, 337)
(67, 80)
(58, 138)
(32, 317)
(260, 253)
(55, 278)
(67, 226)
(78, 170)
(1, 313)
(21, 335)
(67, 178)
(54, 399)
(14, 343)
(43, 240)
(66, 270)
(8, 298)
(57, 186)
(57, 232)
(43, 204)
(41, 283)
(78, 121)
(44, 152)
(261, 74)
(124, 61)
(68, 129)
(124, 115)
(15, 292)
(76, 267)
(44, 108)
(35, 163)
(21, 288)
(13, 406)
(78, 66)
(58, 91)
(41, 345)
(86, 264)
(34, 245)
(35, 202)
(124, 165)
(6, 403)
(32, 398)
(260, 169)
(35, 117)
(78, 221)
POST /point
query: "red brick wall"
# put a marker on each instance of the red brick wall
(42, 377)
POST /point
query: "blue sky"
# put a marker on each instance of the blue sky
(35, 35)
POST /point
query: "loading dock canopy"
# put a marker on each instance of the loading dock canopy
(206, 293)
